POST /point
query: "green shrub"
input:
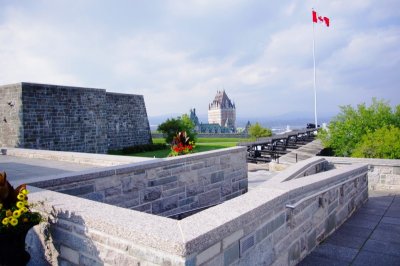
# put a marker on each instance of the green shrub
(346, 129)
(382, 143)
(172, 126)
(140, 148)
(257, 131)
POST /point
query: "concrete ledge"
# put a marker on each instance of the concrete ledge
(136, 165)
(137, 227)
(68, 178)
(76, 157)
(303, 168)
(370, 161)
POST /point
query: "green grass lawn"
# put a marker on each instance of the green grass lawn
(202, 144)
(219, 140)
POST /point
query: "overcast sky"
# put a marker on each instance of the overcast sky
(179, 53)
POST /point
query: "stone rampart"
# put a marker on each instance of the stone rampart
(52, 117)
(276, 223)
(11, 129)
(126, 121)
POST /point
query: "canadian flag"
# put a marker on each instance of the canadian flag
(316, 18)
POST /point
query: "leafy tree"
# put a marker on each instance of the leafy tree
(170, 128)
(346, 130)
(174, 125)
(188, 126)
(382, 143)
(257, 131)
(397, 116)
(187, 123)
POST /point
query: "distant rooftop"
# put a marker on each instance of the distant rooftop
(222, 101)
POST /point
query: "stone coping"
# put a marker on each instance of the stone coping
(199, 231)
(141, 228)
(56, 180)
(75, 157)
(370, 161)
(296, 170)
(66, 178)
(103, 159)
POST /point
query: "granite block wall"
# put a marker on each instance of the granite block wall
(283, 235)
(52, 117)
(384, 174)
(257, 228)
(163, 187)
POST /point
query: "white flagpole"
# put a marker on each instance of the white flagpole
(315, 81)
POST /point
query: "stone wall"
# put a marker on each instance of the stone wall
(52, 117)
(163, 187)
(384, 174)
(64, 118)
(298, 216)
(126, 121)
(275, 223)
(313, 165)
(11, 127)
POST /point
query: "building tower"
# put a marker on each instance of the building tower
(222, 111)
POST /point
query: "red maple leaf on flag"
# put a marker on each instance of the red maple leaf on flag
(322, 19)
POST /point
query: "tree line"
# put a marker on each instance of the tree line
(183, 124)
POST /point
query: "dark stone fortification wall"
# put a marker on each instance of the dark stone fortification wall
(11, 129)
(52, 117)
(64, 118)
(127, 121)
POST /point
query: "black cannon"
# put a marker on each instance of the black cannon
(311, 125)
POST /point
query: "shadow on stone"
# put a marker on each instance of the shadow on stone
(63, 240)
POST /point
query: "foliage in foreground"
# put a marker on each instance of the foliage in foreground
(15, 213)
(354, 130)
(172, 126)
(257, 131)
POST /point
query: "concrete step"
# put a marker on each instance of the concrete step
(307, 151)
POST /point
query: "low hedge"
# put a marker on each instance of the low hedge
(141, 148)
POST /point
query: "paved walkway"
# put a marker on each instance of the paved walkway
(18, 168)
(370, 237)
(257, 174)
